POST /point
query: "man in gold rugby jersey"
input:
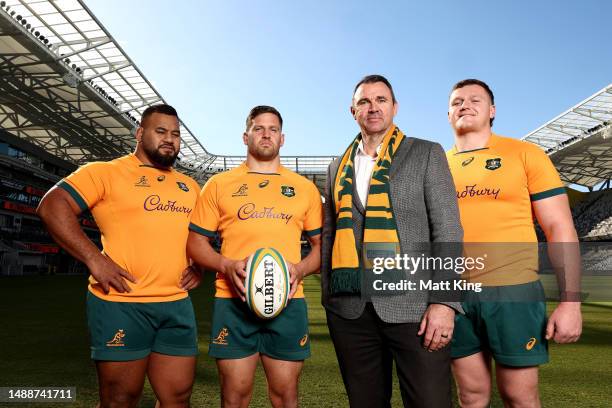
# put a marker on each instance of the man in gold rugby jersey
(140, 317)
(258, 204)
(502, 184)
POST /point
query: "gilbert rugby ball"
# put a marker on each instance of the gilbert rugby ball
(267, 283)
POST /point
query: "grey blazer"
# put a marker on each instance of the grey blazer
(424, 204)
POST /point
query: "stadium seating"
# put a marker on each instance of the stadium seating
(592, 215)
(594, 218)
(25, 245)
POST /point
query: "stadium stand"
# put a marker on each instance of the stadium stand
(579, 143)
(593, 216)
(26, 173)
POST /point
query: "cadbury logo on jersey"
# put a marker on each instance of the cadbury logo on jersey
(249, 211)
(475, 191)
(155, 203)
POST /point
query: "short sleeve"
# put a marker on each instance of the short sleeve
(314, 215)
(542, 177)
(87, 185)
(206, 217)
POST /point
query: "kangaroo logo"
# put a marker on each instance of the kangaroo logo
(242, 191)
(142, 182)
(220, 339)
(117, 340)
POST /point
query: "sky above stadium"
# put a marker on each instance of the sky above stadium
(215, 60)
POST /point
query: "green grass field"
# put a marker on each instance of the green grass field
(44, 342)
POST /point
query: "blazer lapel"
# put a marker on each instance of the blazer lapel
(400, 155)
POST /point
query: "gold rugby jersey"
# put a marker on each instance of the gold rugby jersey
(252, 210)
(143, 214)
(495, 188)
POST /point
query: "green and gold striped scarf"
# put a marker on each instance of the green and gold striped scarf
(380, 223)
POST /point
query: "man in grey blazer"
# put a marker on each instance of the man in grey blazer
(413, 327)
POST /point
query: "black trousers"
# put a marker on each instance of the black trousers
(366, 348)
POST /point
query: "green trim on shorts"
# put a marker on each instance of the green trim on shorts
(513, 331)
(126, 331)
(236, 331)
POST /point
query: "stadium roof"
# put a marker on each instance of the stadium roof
(579, 141)
(67, 86)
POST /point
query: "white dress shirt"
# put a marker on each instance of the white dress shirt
(364, 164)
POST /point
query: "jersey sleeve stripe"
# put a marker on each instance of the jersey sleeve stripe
(548, 193)
(201, 230)
(313, 232)
(74, 194)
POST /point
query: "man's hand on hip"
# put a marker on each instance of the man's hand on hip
(191, 277)
(107, 273)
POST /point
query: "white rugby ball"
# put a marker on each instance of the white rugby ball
(267, 283)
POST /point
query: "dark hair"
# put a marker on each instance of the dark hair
(483, 85)
(371, 79)
(258, 110)
(161, 108)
